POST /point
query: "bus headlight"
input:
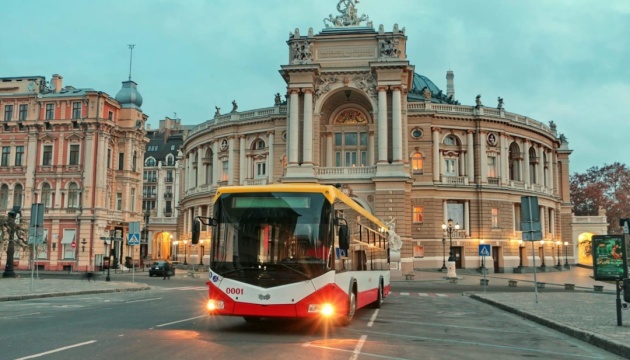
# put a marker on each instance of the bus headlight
(213, 305)
(324, 309)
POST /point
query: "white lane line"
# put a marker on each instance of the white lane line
(57, 350)
(16, 316)
(134, 301)
(423, 294)
(357, 348)
(404, 293)
(373, 318)
(175, 322)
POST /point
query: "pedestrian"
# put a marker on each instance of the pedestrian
(167, 271)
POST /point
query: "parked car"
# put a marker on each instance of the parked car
(158, 266)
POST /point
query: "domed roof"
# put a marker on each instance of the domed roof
(128, 96)
(437, 96)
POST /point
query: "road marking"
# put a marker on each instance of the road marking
(357, 348)
(373, 318)
(57, 350)
(134, 301)
(184, 288)
(426, 294)
(175, 322)
(16, 316)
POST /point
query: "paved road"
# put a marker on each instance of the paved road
(583, 313)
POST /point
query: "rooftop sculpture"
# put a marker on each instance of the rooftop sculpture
(348, 17)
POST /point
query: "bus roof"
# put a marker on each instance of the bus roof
(331, 193)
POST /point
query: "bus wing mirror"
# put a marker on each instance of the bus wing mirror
(344, 241)
(196, 230)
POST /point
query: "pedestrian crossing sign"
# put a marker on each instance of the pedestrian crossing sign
(484, 249)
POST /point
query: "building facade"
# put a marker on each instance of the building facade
(159, 193)
(357, 113)
(79, 152)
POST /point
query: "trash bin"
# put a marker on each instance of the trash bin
(128, 262)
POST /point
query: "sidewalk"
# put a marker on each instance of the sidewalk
(23, 288)
(582, 313)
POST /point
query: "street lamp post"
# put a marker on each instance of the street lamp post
(109, 259)
(449, 228)
(443, 255)
(201, 249)
(520, 254)
(542, 245)
(185, 252)
(176, 246)
(558, 265)
(566, 256)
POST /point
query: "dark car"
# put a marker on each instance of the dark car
(158, 266)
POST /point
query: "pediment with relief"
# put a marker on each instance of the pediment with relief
(47, 138)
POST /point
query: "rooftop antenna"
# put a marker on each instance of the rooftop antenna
(131, 46)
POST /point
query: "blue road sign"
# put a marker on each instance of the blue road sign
(133, 239)
(484, 249)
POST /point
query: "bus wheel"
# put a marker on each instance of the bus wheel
(379, 301)
(352, 308)
(252, 319)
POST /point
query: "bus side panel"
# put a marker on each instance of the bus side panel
(367, 284)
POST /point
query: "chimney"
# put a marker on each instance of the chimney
(450, 86)
(56, 83)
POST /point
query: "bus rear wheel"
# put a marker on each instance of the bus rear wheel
(379, 301)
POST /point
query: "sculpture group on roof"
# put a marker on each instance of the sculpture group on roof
(349, 15)
(301, 51)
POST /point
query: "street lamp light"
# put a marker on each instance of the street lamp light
(201, 248)
(449, 228)
(542, 245)
(185, 252)
(566, 256)
(558, 266)
(443, 255)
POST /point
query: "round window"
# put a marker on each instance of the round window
(416, 133)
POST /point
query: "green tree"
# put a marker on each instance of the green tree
(12, 235)
(606, 188)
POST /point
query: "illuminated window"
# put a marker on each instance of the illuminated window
(417, 163)
(495, 217)
(418, 214)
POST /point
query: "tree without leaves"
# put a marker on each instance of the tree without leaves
(605, 188)
(8, 227)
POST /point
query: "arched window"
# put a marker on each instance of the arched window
(17, 195)
(515, 159)
(258, 144)
(4, 196)
(350, 147)
(150, 162)
(450, 140)
(134, 161)
(46, 195)
(417, 163)
(73, 195)
(170, 160)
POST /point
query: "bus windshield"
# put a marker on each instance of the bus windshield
(272, 239)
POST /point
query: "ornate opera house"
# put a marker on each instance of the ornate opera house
(358, 113)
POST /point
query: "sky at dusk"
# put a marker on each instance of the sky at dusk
(561, 60)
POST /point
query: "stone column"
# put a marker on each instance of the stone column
(293, 127)
(243, 168)
(307, 141)
(382, 124)
(483, 157)
(271, 158)
(397, 138)
(526, 145)
(329, 150)
(215, 163)
(541, 166)
(466, 217)
(505, 164)
(371, 149)
(200, 172)
(231, 151)
(436, 154)
(470, 157)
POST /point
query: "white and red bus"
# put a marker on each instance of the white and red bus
(294, 251)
